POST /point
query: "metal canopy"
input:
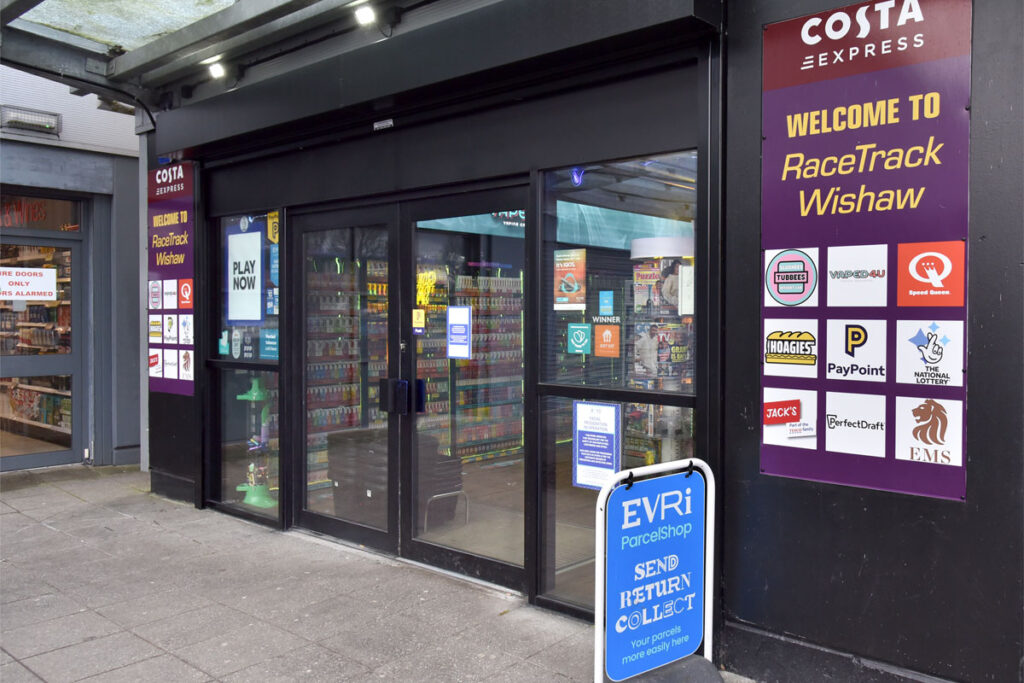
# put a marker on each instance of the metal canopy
(151, 52)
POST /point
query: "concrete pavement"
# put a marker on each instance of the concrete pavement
(101, 580)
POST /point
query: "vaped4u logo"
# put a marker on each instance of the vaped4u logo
(929, 430)
(931, 274)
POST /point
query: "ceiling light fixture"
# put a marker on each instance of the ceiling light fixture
(365, 15)
(217, 70)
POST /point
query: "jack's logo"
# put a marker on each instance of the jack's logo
(931, 421)
(856, 337)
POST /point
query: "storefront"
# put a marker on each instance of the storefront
(408, 289)
(68, 336)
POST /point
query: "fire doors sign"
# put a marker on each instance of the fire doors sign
(171, 290)
(866, 128)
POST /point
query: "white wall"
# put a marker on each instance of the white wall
(83, 126)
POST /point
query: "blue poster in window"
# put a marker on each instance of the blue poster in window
(606, 302)
(268, 344)
(654, 585)
(275, 264)
(596, 442)
(460, 331)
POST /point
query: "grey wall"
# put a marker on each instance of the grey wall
(881, 584)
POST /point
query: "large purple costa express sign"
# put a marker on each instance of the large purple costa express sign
(171, 291)
(864, 178)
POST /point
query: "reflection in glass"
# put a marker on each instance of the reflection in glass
(651, 434)
(39, 213)
(619, 266)
(468, 467)
(249, 441)
(35, 414)
(346, 292)
(35, 312)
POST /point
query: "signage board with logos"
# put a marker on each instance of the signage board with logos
(866, 130)
(171, 276)
(654, 569)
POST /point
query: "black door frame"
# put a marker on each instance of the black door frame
(320, 220)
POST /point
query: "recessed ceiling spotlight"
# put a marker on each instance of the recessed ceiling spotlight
(210, 60)
(365, 15)
(217, 70)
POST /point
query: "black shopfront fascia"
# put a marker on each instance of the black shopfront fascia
(659, 99)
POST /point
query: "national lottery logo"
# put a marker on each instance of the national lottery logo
(791, 277)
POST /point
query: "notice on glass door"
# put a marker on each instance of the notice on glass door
(596, 443)
(170, 236)
(460, 332)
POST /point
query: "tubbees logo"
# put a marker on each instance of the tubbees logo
(791, 277)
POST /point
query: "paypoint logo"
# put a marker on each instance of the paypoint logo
(856, 337)
(931, 274)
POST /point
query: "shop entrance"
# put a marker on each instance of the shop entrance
(413, 379)
(41, 348)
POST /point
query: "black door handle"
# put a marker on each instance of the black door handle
(394, 396)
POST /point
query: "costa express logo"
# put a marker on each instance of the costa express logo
(170, 181)
(868, 18)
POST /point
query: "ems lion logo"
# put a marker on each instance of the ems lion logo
(932, 420)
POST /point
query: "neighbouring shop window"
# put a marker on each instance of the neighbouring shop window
(35, 414)
(35, 300)
(249, 440)
(650, 433)
(37, 213)
(618, 295)
(250, 288)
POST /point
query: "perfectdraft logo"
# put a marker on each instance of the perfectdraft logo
(930, 352)
(855, 423)
(857, 275)
(929, 430)
(931, 274)
(791, 348)
(790, 418)
(791, 277)
(856, 350)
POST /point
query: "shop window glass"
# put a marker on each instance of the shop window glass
(618, 293)
(250, 305)
(35, 300)
(249, 441)
(651, 434)
(37, 213)
(35, 414)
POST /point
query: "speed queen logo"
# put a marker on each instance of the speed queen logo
(931, 274)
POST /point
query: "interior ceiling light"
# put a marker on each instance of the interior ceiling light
(365, 15)
(217, 70)
(211, 60)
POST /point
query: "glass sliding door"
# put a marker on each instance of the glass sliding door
(347, 465)
(468, 455)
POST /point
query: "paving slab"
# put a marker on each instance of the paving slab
(16, 673)
(54, 634)
(240, 649)
(161, 669)
(90, 658)
(310, 664)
